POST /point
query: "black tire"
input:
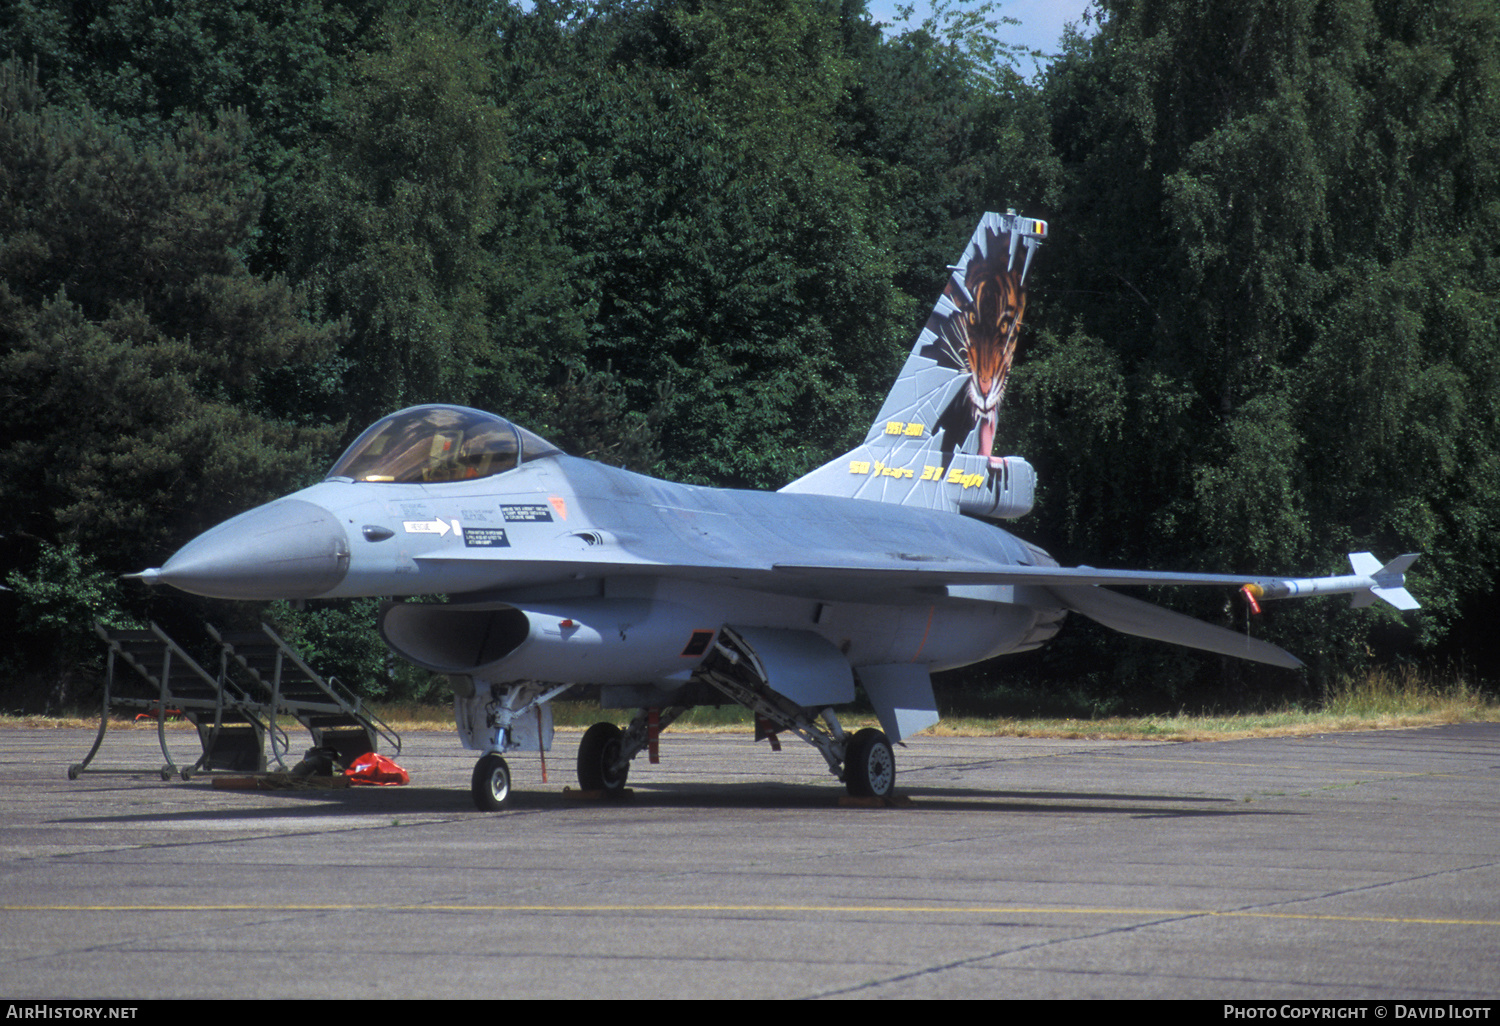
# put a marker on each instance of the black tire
(598, 750)
(491, 783)
(870, 765)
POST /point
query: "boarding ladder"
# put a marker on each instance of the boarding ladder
(332, 714)
(231, 726)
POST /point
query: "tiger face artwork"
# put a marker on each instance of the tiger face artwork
(979, 339)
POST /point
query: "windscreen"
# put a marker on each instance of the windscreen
(439, 443)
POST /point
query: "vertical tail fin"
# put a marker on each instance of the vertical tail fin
(932, 443)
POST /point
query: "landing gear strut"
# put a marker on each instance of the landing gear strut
(495, 718)
(864, 761)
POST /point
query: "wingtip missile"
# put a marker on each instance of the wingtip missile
(1370, 581)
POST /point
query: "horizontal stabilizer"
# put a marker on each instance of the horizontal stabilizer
(1144, 620)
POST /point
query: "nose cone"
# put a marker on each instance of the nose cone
(285, 549)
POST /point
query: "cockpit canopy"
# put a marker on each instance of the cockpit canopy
(439, 443)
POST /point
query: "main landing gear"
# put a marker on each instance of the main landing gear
(605, 752)
(870, 765)
(600, 767)
(865, 762)
(516, 717)
(868, 761)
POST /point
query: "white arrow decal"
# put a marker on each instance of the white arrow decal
(436, 526)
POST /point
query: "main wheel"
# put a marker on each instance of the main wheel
(870, 765)
(597, 753)
(491, 783)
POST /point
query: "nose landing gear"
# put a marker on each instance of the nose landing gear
(491, 784)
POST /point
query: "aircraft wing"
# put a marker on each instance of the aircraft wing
(937, 572)
(899, 574)
(896, 571)
(1080, 589)
(1372, 579)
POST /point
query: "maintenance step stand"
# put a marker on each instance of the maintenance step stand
(233, 718)
(334, 716)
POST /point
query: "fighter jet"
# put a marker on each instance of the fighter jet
(875, 569)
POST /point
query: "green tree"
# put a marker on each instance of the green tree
(339, 640)
(1279, 219)
(944, 128)
(395, 227)
(153, 65)
(724, 251)
(134, 342)
(56, 599)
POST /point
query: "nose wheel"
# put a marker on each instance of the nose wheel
(491, 783)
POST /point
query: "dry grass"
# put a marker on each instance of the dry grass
(1380, 700)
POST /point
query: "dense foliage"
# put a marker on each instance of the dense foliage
(695, 237)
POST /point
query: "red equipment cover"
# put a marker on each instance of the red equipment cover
(373, 768)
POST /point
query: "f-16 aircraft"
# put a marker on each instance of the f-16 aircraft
(875, 569)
